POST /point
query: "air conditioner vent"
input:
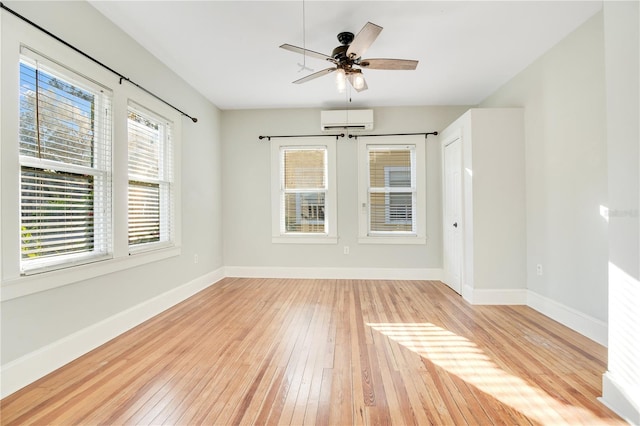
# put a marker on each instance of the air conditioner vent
(356, 119)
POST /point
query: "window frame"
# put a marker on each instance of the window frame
(417, 236)
(279, 235)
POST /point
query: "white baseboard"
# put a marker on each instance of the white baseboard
(435, 274)
(620, 400)
(494, 296)
(586, 325)
(590, 327)
(29, 368)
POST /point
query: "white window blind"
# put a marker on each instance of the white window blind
(65, 166)
(303, 189)
(150, 199)
(391, 189)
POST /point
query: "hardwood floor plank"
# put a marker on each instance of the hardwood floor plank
(315, 369)
(323, 413)
(327, 352)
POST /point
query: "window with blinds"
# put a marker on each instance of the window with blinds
(65, 166)
(391, 189)
(303, 190)
(150, 200)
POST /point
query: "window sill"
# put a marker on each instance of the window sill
(304, 239)
(392, 240)
(142, 249)
(30, 284)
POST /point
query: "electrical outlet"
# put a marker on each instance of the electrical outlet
(346, 250)
(195, 258)
(539, 269)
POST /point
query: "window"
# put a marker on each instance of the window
(391, 192)
(391, 189)
(65, 166)
(303, 191)
(150, 201)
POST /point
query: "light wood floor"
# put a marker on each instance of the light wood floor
(266, 351)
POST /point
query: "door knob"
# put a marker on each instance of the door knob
(455, 225)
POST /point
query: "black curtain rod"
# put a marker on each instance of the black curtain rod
(426, 134)
(342, 135)
(91, 58)
(268, 138)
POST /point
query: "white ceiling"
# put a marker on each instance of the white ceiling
(228, 50)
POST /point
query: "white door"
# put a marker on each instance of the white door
(452, 215)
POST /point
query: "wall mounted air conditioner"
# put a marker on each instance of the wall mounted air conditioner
(352, 119)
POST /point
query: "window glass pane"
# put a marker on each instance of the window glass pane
(304, 168)
(379, 162)
(391, 212)
(400, 208)
(304, 212)
(397, 177)
(61, 128)
(144, 212)
(145, 140)
(56, 213)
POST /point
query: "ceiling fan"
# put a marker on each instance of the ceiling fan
(348, 61)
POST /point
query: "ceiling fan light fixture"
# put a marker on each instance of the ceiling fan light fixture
(358, 80)
(341, 80)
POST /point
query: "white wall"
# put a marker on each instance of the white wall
(36, 321)
(563, 96)
(621, 383)
(498, 198)
(246, 180)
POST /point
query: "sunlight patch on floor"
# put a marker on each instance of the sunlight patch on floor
(461, 357)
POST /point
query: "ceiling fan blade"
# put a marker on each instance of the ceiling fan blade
(389, 64)
(363, 40)
(315, 75)
(359, 86)
(307, 52)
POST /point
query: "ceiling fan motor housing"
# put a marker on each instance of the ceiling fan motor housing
(340, 53)
(345, 38)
